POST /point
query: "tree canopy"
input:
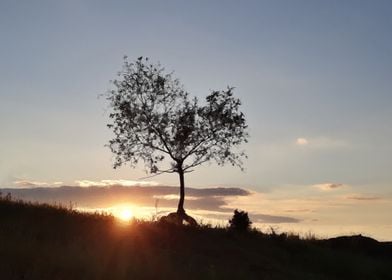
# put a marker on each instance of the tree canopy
(153, 118)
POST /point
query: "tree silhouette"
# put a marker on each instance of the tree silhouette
(153, 119)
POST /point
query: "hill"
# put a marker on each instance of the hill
(39, 241)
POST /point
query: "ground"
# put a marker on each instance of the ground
(47, 242)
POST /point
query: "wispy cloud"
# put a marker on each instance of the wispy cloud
(302, 141)
(35, 184)
(363, 197)
(263, 218)
(301, 210)
(255, 218)
(328, 186)
(107, 183)
(321, 143)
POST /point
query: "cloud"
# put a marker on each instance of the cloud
(363, 197)
(321, 143)
(302, 141)
(213, 199)
(263, 218)
(218, 191)
(255, 218)
(34, 184)
(303, 210)
(329, 186)
(107, 183)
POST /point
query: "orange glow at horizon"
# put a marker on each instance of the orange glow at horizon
(124, 214)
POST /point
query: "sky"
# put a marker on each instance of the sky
(313, 78)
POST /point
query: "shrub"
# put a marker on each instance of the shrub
(240, 221)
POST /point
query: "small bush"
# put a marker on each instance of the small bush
(240, 221)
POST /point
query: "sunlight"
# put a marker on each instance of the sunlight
(124, 214)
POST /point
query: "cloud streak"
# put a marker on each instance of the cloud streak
(108, 183)
(328, 186)
(302, 141)
(321, 143)
(213, 199)
(363, 197)
(34, 184)
(263, 218)
(256, 218)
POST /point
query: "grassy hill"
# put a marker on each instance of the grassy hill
(49, 242)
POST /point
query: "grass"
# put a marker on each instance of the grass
(40, 241)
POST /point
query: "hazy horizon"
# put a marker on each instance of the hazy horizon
(148, 200)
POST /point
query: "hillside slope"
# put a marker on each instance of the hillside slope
(47, 242)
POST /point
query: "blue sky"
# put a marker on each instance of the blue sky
(317, 70)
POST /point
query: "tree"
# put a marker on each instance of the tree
(153, 119)
(240, 221)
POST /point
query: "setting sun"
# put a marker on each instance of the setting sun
(124, 214)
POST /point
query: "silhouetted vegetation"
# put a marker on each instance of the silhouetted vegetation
(54, 242)
(240, 221)
(154, 118)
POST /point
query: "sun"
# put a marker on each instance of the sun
(124, 214)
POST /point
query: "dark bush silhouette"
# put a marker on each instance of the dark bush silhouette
(240, 221)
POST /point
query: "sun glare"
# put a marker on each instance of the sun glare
(124, 214)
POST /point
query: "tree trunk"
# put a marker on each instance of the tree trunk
(180, 209)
